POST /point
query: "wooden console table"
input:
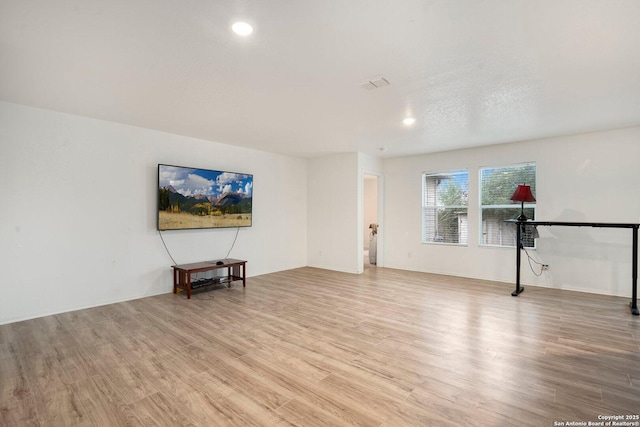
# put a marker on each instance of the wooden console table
(634, 250)
(236, 270)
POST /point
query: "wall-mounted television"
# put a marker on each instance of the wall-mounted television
(191, 198)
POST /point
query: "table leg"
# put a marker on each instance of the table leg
(188, 285)
(519, 289)
(175, 280)
(634, 272)
(244, 275)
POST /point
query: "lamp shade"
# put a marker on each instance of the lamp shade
(523, 194)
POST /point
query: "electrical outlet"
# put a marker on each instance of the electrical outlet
(545, 266)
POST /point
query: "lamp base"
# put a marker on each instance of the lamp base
(521, 217)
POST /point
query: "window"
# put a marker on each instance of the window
(444, 207)
(496, 187)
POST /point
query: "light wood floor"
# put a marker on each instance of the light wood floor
(313, 347)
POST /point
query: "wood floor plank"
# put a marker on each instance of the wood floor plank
(101, 403)
(199, 400)
(20, 413)
(244, 381)
(311, 347)
(14, 388)
(126, 384)
(158, 410)
(300, 413)
(62, 406)
(310, 392)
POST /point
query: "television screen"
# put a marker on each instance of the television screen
(191, 198)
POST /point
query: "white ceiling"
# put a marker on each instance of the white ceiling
(472, 72)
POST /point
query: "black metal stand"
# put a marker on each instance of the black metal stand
(634, 249)
(519, 289)
(634, 274)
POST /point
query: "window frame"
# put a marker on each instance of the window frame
(515, 206)
(437, 206)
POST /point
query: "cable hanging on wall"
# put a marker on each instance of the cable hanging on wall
(234, 243)
(166, 248)
(530, 259)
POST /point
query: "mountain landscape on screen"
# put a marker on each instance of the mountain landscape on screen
(199, 198)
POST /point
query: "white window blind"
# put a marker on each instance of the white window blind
(445, 198)
(496, 187)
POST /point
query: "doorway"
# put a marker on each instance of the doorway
(371, 232)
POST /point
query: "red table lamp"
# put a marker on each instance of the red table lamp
(522, 194)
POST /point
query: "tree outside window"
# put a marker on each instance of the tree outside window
(444, 207)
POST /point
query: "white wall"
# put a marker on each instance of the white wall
(591, 177)
(78, 223)
(333, 213)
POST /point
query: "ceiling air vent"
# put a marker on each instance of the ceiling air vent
(374, 83)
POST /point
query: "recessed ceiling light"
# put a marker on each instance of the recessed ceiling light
(409, 121)
(242, 28)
